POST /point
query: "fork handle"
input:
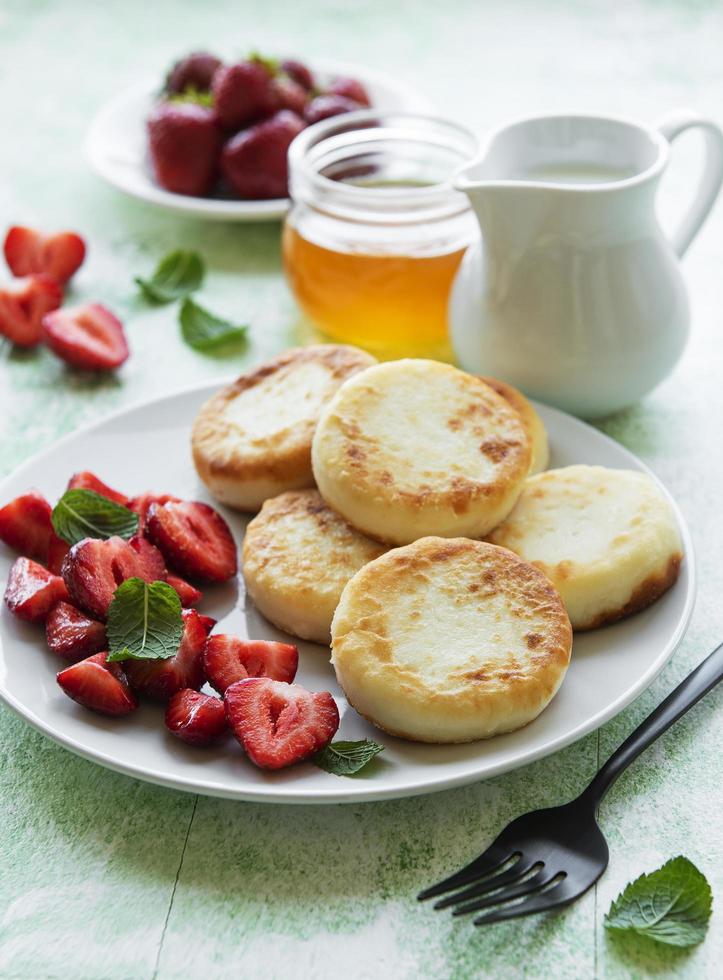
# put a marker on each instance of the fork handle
(697, 684)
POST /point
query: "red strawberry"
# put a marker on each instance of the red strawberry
(196, 718)
(71, 634)
(141, 505)
(98, 685)
(299, 72)
(188, 594)
(87, 336)
(279, 724)
(208, 622)
(93, 570)
(194, 538)
(85, 480)
(25, 525)
(159, 679)
(57, 550)
(228, 659)
(195, 71)
(244, 93)
(352, 89)
(325, 106)
(28, 251)
(23, 304)
(290, 94)
(32, 590)
(184, 143)
(255, 162)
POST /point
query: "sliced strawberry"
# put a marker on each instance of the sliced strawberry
(208, 622)
(85, 480)
(28, 251)
(32, 590)
(94, 569)
(71, 634)
(159, 679)
(88, 337)
(196, 718)
(57, 550)
(23, 304)
(98, 685)
(188, 594)
(142, 503)
(25, 525)
(228, 659)
(194, 538)
(279, 724)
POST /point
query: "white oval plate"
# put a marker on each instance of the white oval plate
(116, 144)
(147, 447)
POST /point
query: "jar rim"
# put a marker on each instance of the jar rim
(361, 129)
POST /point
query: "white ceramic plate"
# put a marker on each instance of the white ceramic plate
(116, 144)
(148, 448)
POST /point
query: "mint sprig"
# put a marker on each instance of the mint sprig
(86, 514)
(671, 905)
(144, 621)
(178, 274)
(347, 758)
(203, 330)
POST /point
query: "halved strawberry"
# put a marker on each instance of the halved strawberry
(279, 724)
(142, 503)
(94, 569)
(228, 659)
(28, 251)
(32, 590)
(57, 550)
(188, 594)
(71, 634)
(88, 337)
(23, 304)
(98, 685)
(159, 679)
(194, 538)
(25, 525)
(196, 718)
(85, 480)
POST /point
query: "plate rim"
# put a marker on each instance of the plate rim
(364, 792)
(212, 209)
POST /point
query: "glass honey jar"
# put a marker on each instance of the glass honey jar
(376, 231)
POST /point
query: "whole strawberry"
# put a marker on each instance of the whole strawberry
(244, 93)
(299, 72)
(194, 72)
(184, 143)
(352, 89)
(255, 161)
(325, 106)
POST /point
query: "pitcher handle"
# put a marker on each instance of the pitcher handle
(671, 127)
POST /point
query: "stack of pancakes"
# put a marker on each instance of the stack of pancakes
(376, 484)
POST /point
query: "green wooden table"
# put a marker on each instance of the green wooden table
(105, 877)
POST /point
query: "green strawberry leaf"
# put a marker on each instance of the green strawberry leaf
(86, 514)
(671, 905)
(144, 621)
(347, 758)
(204, 331)
(178, 274)
(195, 96)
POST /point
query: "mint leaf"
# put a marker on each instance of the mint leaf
(177, 275)
(347, 758)
(144, 621)
(204, 331)
(671, 905)
(86, 514)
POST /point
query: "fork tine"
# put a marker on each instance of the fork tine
(487, 862)
(531, 886)
(552, 898)
(518, 870)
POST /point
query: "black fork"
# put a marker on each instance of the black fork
(547, 858)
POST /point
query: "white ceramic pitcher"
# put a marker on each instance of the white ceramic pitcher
(574, 294)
